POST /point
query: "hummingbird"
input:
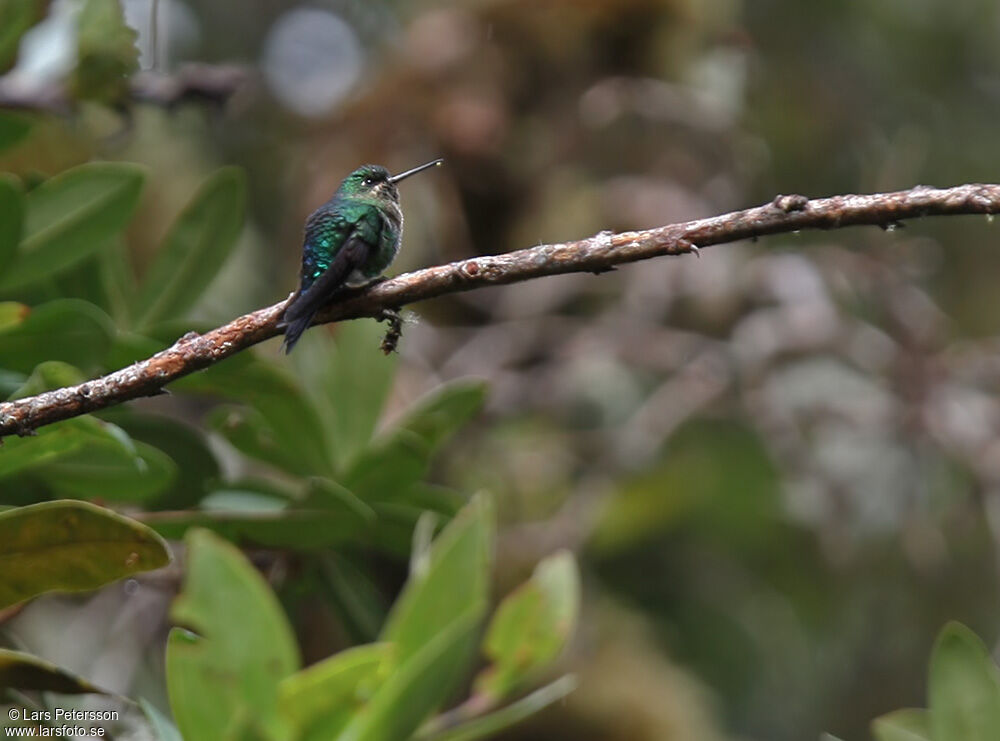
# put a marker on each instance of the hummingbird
(349, 241)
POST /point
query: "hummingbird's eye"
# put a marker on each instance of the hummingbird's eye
(368, 182)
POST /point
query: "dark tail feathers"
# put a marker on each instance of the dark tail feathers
(294, 327)
(298, 315)
(302, 307)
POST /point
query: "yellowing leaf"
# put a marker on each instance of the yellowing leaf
(71, 546)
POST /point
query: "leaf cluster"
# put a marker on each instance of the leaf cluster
(274, 458)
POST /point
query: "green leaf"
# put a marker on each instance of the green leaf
(195, 249)
(52, 374)
(11, 213)
(128, 348)
(67, 330)
(114, 269)
(348, 361)
(963, 688)
(288, 528)
(388, 467)
(101, 460)
(442, 413)
(71, 546)
(431, 498)
(242, 648)
(319, 701)
(453, 579)
(490, 725)
(106, 52)
(278, 425)
(329, 495)
(52, 441)
(246, 727)
(421, 684)
(242, 501)
(71, 216)
(163, 729)
(13, 128)
(16, 17)
(911, 724)
(197, 467)
(107, 470)
(250, 432)
(394, 534)
(398, 518)
(532, 626)
(104, 279)
(253, 495)
(26, 672)
(431, 628)
(358, 600)
(397, 461)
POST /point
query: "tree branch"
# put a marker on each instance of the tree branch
(786, 213)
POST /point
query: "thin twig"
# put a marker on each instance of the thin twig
(154, 36)
(788, 213)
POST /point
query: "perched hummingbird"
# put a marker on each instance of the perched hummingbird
(349, 241)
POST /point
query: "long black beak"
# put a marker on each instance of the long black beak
(414, 171)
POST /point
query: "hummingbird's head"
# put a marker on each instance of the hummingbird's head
(370, 182)
(375, 183)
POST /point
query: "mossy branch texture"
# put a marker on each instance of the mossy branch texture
(597, 254)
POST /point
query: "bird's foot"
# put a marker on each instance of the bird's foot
(686, 245)
(350, 291)
(394, 331)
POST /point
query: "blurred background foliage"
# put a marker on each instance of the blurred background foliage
(777, 464)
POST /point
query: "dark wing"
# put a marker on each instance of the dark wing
(301, 308)
(325, 230)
